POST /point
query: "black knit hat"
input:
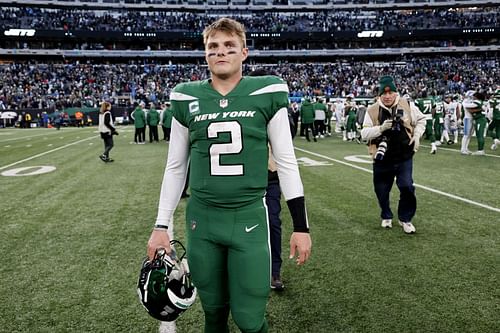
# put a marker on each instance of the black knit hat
(386, 83)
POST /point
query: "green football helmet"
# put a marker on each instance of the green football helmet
(165, 288)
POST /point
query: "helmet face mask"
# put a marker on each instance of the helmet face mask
(165, 288)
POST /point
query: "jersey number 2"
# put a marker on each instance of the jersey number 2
(233, 147)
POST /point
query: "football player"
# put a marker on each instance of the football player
(339, 116)
(427, 107)
(222, 127)
(350, 116)
(476, 106)
(451, 116)
(495, 119)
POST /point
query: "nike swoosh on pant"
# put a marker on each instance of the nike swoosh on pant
(247, 229)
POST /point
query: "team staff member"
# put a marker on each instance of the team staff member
(307, 119)
(393, 130)
(139, 118)
(166, 121)
(226, 218)
(153, 119)
(107, 130)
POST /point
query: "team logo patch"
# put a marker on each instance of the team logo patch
(223, 103)
(194, 107)
(193, 224)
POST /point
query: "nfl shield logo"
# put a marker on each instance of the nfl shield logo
(223, 103)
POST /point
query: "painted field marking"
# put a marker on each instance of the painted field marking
(35, 170)
(452, 196)
(47, 152)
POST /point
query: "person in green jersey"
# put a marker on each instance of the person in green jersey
(494, 126)
(438, 120)
(222, 127)
(350, 116)
(428, 106)
(475, 106)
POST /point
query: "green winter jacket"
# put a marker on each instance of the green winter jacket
(307, 112)
(139, 118)
(166, 119)
(153, 117)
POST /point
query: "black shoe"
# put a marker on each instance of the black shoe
(276, 284)
(109, 160)
(103, 158)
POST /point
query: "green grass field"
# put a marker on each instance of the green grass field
(72, 240)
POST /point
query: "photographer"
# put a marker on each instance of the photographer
(393, 129)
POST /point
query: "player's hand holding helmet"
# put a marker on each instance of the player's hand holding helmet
(165, 288)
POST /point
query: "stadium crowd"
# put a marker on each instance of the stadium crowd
(321, 21)
(42, 85)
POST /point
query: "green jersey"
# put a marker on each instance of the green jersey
(426, 105)
(438, 111)
(495, 107)
(228, 137)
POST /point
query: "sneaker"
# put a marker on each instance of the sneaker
(450, 142)
(103, 158)
(465, 152)
(433, 151)
(479, 153)
(407, 227)
(495, 144)
(386, 223)
(276, 283)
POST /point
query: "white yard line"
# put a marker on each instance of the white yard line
(456, 150)
(47, 152)
(452, 196)
(34, 136)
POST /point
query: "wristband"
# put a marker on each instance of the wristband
(160, 227)
(297, 209)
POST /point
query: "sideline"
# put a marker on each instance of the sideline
(452, 196)
(47, 152)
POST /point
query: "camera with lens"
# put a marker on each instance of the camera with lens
(396, 120)
(381, 149)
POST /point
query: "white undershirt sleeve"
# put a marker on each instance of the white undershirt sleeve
(175, 173)
(280, 139)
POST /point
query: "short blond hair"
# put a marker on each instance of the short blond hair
(226, 25)
(105, 106)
